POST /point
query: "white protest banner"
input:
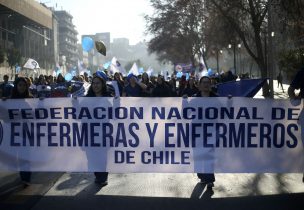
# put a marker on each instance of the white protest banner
(151, 135)
(31, 64)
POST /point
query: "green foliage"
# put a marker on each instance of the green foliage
(182, 28)
(292, 17)
(291, 61)
(177, 27)
(13, 57)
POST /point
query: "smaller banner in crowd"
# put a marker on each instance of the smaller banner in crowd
(183, 67)
(31, 64)
(151, 135)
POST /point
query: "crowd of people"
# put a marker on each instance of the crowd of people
(157, 86)
(130, 86)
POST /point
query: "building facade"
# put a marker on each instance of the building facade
(68, 51)
(27, 26)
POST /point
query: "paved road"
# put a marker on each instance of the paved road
(160, 191)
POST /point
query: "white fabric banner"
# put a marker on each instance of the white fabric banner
(31, 64)
(124, 135)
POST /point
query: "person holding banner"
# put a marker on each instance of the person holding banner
(297, 83)
(205, 90)
(21, 90)
(98, 88)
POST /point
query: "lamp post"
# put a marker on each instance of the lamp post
(240, 58)
(217, 59)
(270, 52)
(216, 51)
(234, 55)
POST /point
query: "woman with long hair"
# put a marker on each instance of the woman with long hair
(190, 88)
(205, 90)
(98, 88)
(118, 78)
(146, 80)
(21, 90)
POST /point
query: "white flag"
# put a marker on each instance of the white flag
(116, 67)
(134, 70)
(150, 71)
(31, 64)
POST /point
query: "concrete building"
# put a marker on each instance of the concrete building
(68, 51)
(27, 26)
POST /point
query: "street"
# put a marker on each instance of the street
(160, 191)
(119, 104)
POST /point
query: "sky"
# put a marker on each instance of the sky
(122, 18)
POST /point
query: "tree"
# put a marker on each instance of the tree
(293, 18)
(176, 27)
(218, 33)
(292, 22)
(184, 28)
(2, 56)
(249, 21)
(291, 61)
(13, 58)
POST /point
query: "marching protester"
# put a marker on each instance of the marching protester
(296, 84)
(21, 91)
(172, 84)
(280, 81)
(161, 89)
(86, 77)
(190, 88)
(134, 88)
(43, 90)
(120, 82)
(98, 88)
(60, 80)
(146, 80)
(204, 90)
(5, 87)
(41, 80)
(182, 85)
(50, 80)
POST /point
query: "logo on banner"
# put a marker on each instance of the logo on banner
(1, 133)
(178, 68)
